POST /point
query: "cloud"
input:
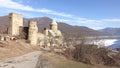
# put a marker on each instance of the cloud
(53, 12)
(84, 20)
(14, 5)
(63, 20)
(111, 20)
(71, 18)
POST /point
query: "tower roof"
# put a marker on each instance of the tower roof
(54, 22)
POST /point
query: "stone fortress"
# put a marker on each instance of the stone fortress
(31, 33)
(15, 21)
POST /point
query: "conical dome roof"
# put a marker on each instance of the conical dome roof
(54, 22)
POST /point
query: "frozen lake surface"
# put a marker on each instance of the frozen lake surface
(111, 43)
(114, 43)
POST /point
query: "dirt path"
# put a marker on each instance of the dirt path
(29, 60)
(42, 63)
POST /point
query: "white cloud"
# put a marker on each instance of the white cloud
(14, 5)
(72, 18)
(53, 12)
(84, 20)
(112, 20)
(63, 20)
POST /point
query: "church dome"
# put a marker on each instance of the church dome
(54, 22)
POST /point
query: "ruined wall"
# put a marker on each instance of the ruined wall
(15, 21)
(32, 33)
(23, 32)
(46, 31)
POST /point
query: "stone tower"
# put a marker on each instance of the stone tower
(53, 25)
(32, 32)
(15, 21)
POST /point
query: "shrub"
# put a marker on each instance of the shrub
(89, 54)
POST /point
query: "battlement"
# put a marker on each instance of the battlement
(15, 14)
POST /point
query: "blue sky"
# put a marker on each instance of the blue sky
(96, 14)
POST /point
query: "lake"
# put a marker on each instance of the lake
(110, 43)
(113, 43)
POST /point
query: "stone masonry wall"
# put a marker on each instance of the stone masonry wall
(33, 30)
(15, 21)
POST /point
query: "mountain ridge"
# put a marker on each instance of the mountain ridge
(111, 31)
(42, 22)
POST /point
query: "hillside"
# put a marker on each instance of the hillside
(67, 30)
(111, 31)
(12, 49)
(59, 61)
(3, 23)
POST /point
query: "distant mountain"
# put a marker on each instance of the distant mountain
(67, 30)
(3, 23)
(111, 31)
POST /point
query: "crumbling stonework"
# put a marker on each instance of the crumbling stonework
(32, 33)
(23, 32)
(15, 21)
(46, 31)
(50, 37)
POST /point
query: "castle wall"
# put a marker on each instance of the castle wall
(46, 31)
(15, 21)
(33, 31)
(23, 32)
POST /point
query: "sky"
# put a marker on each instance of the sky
(95, 14)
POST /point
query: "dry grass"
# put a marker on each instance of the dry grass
(13, 49)
(58, 61)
